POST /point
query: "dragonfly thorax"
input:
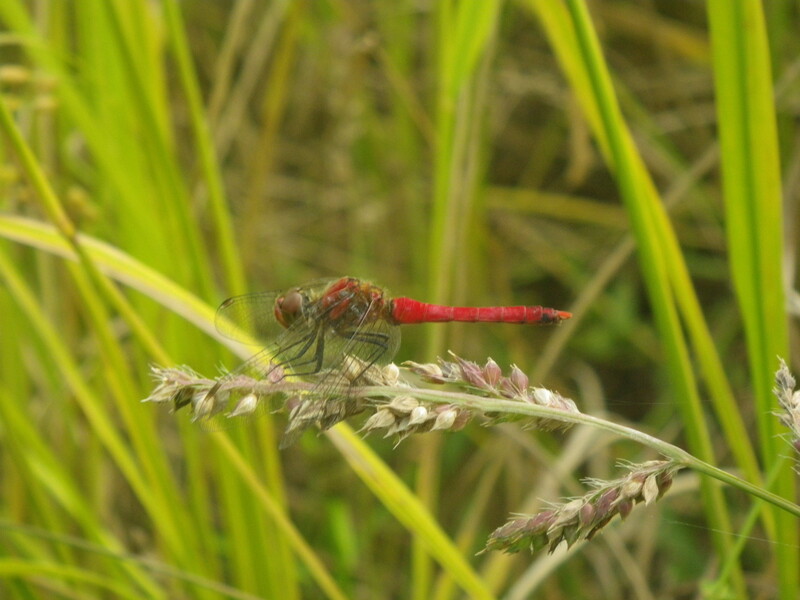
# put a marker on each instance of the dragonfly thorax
(349, 303)
(344, 305)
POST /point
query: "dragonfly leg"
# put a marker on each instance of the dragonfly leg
(311, 365)
(378, 342)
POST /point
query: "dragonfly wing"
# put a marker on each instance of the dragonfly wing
(249, 318)
(316, 346)
(347, 357)
(373, 342)
(294, 352)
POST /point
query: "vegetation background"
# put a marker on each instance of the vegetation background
(623, 160)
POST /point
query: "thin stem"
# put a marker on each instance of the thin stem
(494, 405)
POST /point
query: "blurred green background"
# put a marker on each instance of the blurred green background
(622, 160)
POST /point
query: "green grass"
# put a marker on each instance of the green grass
(157, 158)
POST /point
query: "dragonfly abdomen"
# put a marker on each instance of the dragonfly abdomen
(408, 311)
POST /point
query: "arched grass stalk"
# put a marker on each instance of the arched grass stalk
(400, 409)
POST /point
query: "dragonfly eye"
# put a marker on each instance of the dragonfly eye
(288, 307)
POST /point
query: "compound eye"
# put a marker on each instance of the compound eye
(288, 307)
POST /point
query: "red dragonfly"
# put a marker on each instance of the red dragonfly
(333, 326)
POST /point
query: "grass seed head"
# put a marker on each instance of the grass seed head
(582, 518)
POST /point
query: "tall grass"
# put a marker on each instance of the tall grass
(158, 157)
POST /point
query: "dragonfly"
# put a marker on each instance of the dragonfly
(335, 330)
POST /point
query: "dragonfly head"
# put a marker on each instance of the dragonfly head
(288, 307)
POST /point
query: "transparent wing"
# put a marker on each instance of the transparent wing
(374, 341)
(336, 357)
(272, 362)
(250, 318)
(348, 356)
(297, 351)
